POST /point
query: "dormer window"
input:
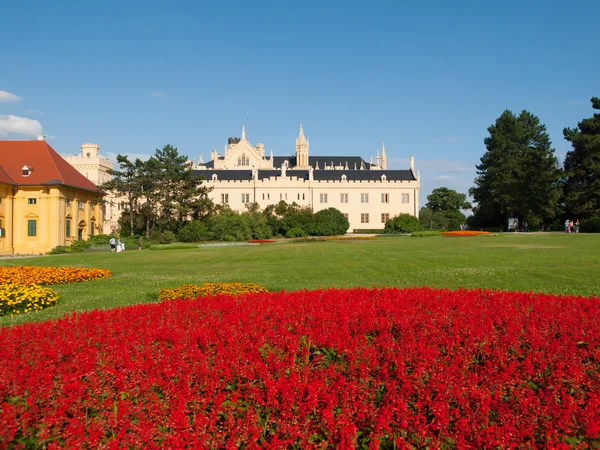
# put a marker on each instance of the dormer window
(27, 170)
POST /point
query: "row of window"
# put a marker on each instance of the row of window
(364, 217)
(323, 198)
(80, 204)
(32, 228)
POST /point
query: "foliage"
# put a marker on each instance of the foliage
(295, 232)
(518, 175)
(351, 238)
(425, 233)
(380, 368)
(193, 231)
(441, 220)
(162, 237)
(403, 223)
(591, 225)
(194, 291)
(444, 199)
(19, 298)
(230, 226)
(28, 275)
(330, 222)
(257, 222)
(582, 166)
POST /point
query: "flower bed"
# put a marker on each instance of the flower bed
(27, 275)
(17, 299)
(381, 368)
(227, 244)
(261, 241)
(204, 289)
(465, 233)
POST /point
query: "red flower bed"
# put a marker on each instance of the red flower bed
(464, 233)
(261, 241)
(338, 368)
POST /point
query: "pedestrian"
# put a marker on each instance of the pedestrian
(577, 226)
(566, 225)
(113, 244)
(516, 225)
(525, 226)
(118, 245)
(140, 243)
(571, 226)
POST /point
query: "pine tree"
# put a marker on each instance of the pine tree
(582, 166)
(519, 174)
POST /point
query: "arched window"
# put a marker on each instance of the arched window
(245, 160)
(239, 162)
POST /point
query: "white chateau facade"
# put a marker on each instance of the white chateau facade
(367, 193)
(95, 168)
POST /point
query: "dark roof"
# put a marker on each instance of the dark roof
(49, 168)
(324, 161)
(318, 175)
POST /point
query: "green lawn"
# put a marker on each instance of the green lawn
(553, 263)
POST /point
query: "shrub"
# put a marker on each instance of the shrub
(330, 222)
(591, 225)
(18, 298)
(295, 232)
(193, 231)
(230, 226)
(204, 289)
(425, 233)
(403, 223)
(60, 249)
(162, 237)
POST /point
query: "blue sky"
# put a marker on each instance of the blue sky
(427, 78)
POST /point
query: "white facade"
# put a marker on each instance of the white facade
(368, 194)
(95, 168)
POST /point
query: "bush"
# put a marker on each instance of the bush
(230, 226)
(59, 250)
(425, 233)
(442, 220)
(330, 222)
(403, 223)
(161, 237)
(591, 225)
(295, 232)
(17, 298)
(193, 231)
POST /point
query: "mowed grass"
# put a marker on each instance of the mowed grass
(552, 263)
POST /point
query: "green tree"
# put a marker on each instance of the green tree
(403, 223)
(444, 199)
(519, 174)
(330, 222)
(441, 220)
(582, 166)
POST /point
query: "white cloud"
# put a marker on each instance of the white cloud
(19, 125)
(446, 139)
(6, 97)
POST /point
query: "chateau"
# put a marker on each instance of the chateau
(44, 202)
(367, 193)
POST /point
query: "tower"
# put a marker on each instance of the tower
(301, 150)
(383, 157)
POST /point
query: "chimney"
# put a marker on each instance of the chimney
(41, 137)
(412, 163)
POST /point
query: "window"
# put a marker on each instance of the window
(405, 198)
(32, 228)
(302, 196)
(323, 198)
(364, 198)
(298, 195)
(81, 205)
(68, 202)
(385, 198)
(245, 198)
(385, 217)
(68, 230)
(92, 227)
(268, 196)
(263, 195)
(31, 201)
(343, 198)
(346, 216)
(224, 199)
(364, 217)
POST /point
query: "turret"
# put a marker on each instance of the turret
(383, 157)
(301, 150)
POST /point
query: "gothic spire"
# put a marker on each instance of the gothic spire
(243, 132)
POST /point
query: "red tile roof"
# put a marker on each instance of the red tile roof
(49, 168)
(4, 178)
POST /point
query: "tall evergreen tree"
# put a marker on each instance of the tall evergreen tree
(519, 174)
(582, 166)
(444, 199)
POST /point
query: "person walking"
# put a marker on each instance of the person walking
(566, 225)
(118, 245)
(113, 244)
(140, 243)
(571, 225)
(577, 226)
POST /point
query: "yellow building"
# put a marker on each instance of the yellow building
(44, 201)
